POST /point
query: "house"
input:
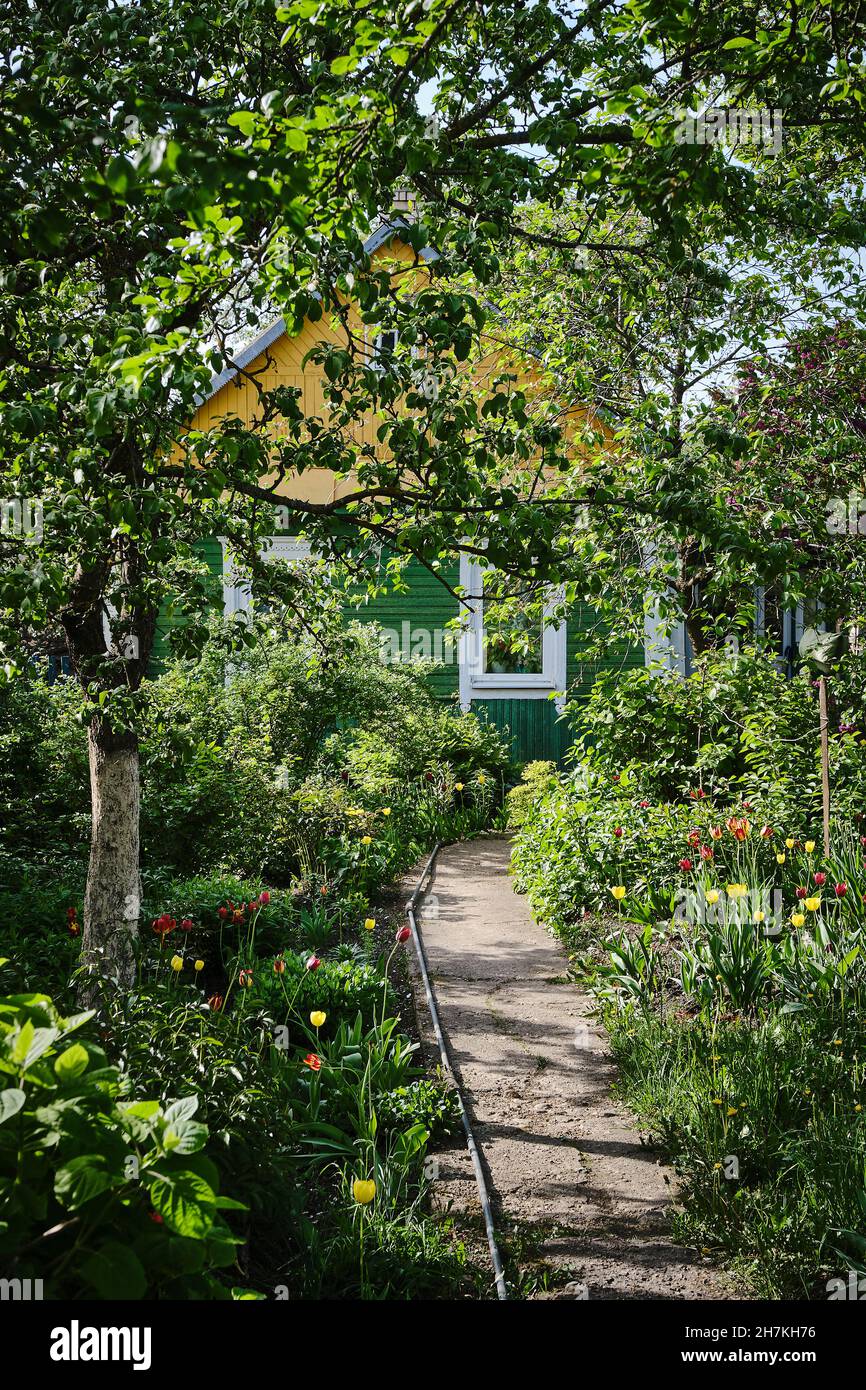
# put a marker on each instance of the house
(524, 696)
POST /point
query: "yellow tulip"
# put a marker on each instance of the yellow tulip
(458, 786)
(713, 896)
(199, 965)
(369, 924)
(317, 1018)
(366, 839)
(813, 904)
(363, 1191)
(797, 919)
(481, 779)
(780, 858)
(177, 963)
(810, 846)
(759, 916)
(618, 892)
(789, 844)
(386, 810)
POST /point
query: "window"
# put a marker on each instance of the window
(489, 670)
(384, 346)
(236, 592)
(513, 646)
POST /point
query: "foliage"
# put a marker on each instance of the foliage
(117, 1185)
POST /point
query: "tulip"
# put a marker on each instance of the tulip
(215, 1002)
(686, 865)
(810, 846)
(766, 832)
(363, 1191)
(402, 935)
(618, 833)
(313, 1062)
(177, 963)
(760, 916)
(618, 892)
(313, 963)
(198, 965)
(186, 924)
(706, 853)
(819, 879)
(481, 779)
(279, 966)
(789, 843)
(245, 979)
(694, 838)
(840, 890)
(780, 858)
(801, 892)
(643, 805)
(317, 1018)
(458, 786)
(222, 913)
(797, 919)
(813, 904)
(713, 896)
(369, 924)
(716, 832)
(366, 839)
(264, 898)
(386, 811)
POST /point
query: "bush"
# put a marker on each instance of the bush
(132, 1204)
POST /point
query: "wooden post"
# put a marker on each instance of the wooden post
(825, 761)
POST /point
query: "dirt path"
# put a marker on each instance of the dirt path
(575, 1190)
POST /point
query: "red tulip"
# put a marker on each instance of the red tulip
(313, 1062)
(766, 832)
(686, 865)
(186, 924)
(820, 879)
(252, 907)
(694, 838)
(841, 889)
(706, 853)
(403, 934)
(245, 979)
(801, 892)
(222, 913)
(264, 898)
(279, 966)
(313, 963)
(216, 1002)
(643, 805)
(618, 832)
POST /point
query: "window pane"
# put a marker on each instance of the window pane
(513, 645)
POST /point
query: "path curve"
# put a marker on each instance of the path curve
(569, 1176)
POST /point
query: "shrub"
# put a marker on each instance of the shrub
(131, 1204)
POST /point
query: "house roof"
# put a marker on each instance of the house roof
(383, 233)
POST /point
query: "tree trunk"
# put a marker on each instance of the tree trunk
(112, 902)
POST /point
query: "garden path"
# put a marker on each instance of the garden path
(574, 1189)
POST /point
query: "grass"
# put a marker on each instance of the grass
(762, 1120)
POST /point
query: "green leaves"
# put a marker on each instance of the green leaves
(185, 1201)
(11, 1101)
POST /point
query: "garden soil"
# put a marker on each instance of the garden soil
(581, 1202)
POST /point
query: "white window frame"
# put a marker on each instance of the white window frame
(478, 684)
(237, 595)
